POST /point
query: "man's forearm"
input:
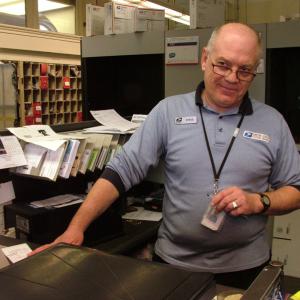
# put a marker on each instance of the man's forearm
(284, 200)
(101, 196)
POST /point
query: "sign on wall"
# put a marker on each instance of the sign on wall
(182, 50)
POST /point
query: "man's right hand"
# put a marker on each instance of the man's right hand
(70, 236)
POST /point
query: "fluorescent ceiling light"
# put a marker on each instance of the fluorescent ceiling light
(183, 19)
(13, 7)
(172, 12)
(17, 7)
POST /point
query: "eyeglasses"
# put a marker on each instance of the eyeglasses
(224, 70)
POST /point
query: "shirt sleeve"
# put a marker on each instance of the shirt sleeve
(143, 150)
(286, 167)
(114, 178)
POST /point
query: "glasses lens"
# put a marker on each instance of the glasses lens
(246, 76)
(221, 70)
(225, 71)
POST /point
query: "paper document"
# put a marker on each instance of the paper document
(143, 214)
(34, 155)
(58, 201)
(41, 137)
(4, 262)
(138, 118)
(17, 252)
(106, 129)
(45, 130)
(11, 153)
(7, 192)
(110, 118)
(79, 200)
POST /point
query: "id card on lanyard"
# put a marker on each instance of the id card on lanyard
(213, 219)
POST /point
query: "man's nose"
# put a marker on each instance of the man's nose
(232, 77)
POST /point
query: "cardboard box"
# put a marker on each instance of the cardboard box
(119, 18)
(207, 13)
(94, 20)
(147, 19)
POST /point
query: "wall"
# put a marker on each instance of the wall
(267, 11)
(255, 11)
(63, 19)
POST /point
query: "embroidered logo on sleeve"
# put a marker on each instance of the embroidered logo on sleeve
(256, 136)
(186, 120)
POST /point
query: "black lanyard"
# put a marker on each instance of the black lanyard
(235, 134)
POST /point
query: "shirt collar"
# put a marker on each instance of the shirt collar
(245, 107)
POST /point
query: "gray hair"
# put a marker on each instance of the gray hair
(214, 35)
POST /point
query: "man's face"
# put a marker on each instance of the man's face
(236, 50)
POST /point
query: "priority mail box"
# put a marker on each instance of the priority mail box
(146, 19)
(94, 20)
(119, 18)
(206, 13)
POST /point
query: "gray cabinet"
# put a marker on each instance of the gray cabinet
(286, 242)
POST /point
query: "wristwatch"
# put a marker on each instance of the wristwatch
(266, 202)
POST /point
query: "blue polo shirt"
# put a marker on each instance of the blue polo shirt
(264, 154)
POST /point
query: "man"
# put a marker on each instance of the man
(219, 148)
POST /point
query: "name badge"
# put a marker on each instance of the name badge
(256, 136)
(186, 120)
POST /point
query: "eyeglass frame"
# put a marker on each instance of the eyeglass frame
(237, 72)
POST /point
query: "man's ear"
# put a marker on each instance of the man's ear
(204, 57)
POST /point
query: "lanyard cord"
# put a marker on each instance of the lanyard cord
(235, 133)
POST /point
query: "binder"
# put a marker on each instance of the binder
(75, 167)
(97, 147)
(82, 144)
(105, 149)
(112, 148)
(69, 158)
(85, 158)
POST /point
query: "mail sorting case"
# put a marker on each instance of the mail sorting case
(66, 272)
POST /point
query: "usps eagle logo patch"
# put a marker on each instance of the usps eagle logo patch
(186, 120)
(256, 136)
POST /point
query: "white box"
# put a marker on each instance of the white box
(94, 20)
(147, 19)
(157, 25)
(119, 18)
(206, 13)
